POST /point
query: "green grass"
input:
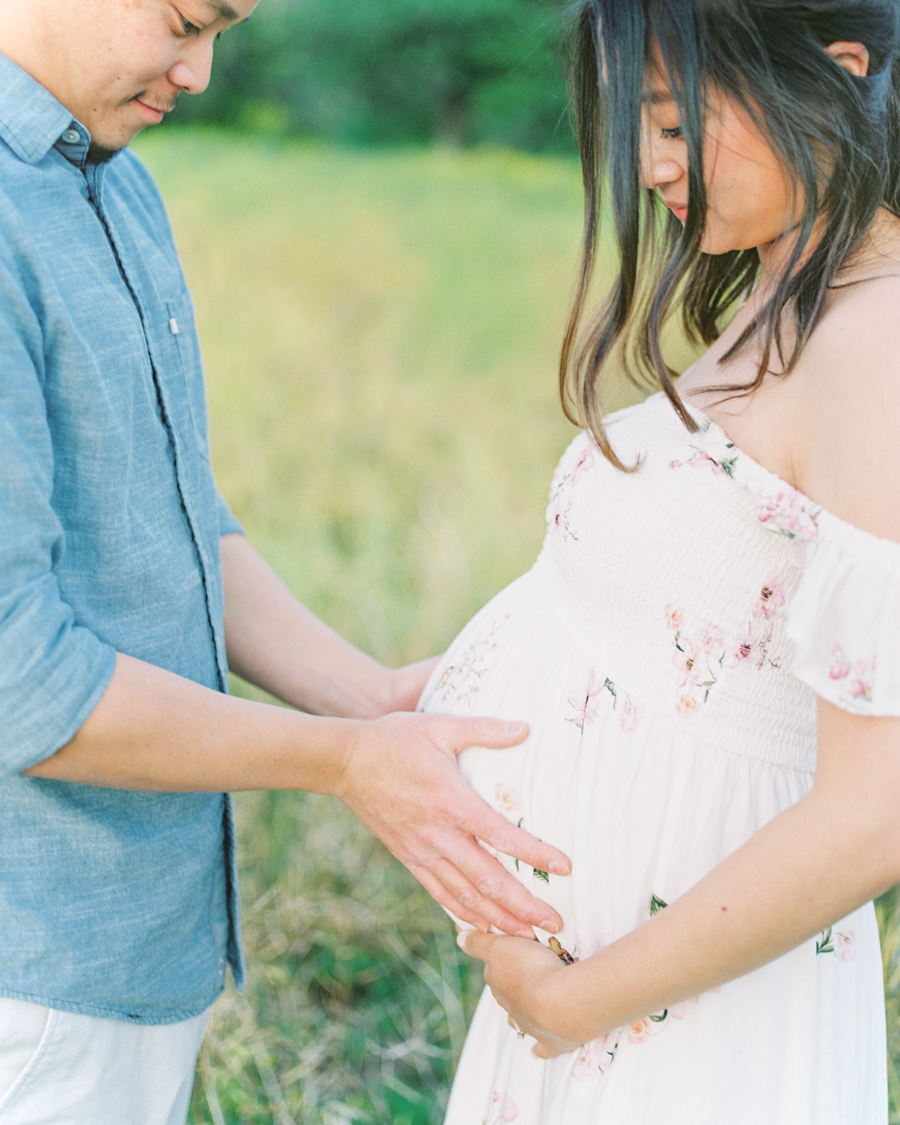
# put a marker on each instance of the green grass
(380, 333)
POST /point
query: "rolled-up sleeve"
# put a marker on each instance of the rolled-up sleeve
(228, 525)
(52, 670)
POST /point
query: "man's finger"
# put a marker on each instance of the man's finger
(475, 904)
(494, 885)
(496, 831)
(495, 734)
(441, 896)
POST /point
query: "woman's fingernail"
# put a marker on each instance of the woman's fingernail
(511, 727)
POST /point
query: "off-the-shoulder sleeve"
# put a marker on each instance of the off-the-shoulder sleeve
(844, 619)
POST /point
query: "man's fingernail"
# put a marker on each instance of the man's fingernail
(550, 927)
(526, 934)
(559, 868)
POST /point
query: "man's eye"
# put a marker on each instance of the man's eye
(190, 28)
(672, 134)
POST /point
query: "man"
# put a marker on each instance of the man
(124, 582)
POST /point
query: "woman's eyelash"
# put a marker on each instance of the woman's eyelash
(672, 134)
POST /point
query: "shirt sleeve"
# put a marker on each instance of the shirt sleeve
(844, 620)
(227, 523)
(52, 670)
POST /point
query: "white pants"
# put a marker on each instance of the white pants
(57, 1068)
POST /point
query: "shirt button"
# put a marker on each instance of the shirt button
(71, 136)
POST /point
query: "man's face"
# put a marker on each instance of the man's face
(120, 65)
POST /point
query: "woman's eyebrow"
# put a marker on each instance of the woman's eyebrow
(657, 97)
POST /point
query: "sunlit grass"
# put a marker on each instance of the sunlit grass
(380, 333)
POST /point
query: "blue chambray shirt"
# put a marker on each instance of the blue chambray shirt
(112, 903)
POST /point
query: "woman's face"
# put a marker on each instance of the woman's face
(749, 197)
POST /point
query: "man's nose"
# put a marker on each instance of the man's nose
(191, 72)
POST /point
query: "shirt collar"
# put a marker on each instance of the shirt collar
(32, 121)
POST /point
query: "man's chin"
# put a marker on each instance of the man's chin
(100, 154)
(104, 149)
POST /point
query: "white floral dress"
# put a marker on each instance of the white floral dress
(667, 648)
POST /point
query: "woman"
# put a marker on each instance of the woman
(707, 649)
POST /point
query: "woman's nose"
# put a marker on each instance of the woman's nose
(658, 165)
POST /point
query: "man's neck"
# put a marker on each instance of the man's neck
(31, 39)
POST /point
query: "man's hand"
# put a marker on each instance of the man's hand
(525, 979)
(278, 644)
(407, 684)
(401, 779)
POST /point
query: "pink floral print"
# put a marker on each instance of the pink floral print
(842, 943)
(630, 715)
(639, 1031)
(858, 675)
(789, 513)
(462, 681)
(845, 945)
(771, 598)
(503, 1109)
(561, 501)
(700, 459)
(698, 662)
(586, 704)
(594, 1058)
(506, 800)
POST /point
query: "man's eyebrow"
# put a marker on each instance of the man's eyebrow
(224, 10)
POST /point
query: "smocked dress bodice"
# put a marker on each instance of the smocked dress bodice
(667, 649)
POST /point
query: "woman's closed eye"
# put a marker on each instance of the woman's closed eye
(674, 134)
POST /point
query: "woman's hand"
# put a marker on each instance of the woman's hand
(528, 981)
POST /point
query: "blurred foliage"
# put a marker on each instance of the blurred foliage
(393, 72)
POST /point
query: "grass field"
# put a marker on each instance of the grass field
(380, 333)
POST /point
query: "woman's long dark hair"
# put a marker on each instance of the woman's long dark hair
(837, 136)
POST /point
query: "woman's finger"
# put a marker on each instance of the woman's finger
(477, 944)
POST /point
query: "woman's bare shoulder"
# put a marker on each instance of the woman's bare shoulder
(849, 400)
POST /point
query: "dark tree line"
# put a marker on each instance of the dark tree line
(394, 72)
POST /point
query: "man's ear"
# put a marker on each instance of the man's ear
(853, 57)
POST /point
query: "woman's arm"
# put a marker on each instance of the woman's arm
(834, 850)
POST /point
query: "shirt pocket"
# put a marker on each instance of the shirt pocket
(182, 325)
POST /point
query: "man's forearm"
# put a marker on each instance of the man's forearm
(278, 644)
(153, 730)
